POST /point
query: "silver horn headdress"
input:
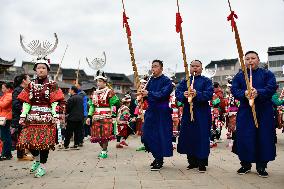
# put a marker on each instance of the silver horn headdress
(39, 49)
(210, 73)
(97, 63)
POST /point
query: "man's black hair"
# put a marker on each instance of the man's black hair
(74, 88)
(19, 79)
(8, 85)
(252, 52)
(216, 84)
(197, 61)
(159, 61)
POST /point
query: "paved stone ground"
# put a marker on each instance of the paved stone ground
(126, 168)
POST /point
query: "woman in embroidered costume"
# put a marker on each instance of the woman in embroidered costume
(217, 110)
(123, 119)
(39, 116)
(278, 109)
(232, 105)
(174, 105)
(140, 111)
(101, 113)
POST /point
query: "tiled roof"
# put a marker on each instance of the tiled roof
(11, 73)
(276, 50)
(71, 74)
(63, 85)
(117, 78)
(220, 63)
(7, 63)
(88, 85)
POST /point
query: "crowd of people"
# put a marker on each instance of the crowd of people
(34, 116)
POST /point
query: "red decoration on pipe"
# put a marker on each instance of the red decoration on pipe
(178, 22)
(231, 18)
(125, 24)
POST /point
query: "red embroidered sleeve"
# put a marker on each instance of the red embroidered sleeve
(56, 93)
(24, 96)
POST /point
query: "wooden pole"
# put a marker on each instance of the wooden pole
(77, 77)
(134, 66)
(57, 73)
(131, 51)
(186, 68)
(241, 58)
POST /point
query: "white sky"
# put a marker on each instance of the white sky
(93, 26)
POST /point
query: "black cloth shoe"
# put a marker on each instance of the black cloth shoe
(202, 169)
(191, 166)
(157, 160)
(243, 171)
(262, 173)
(81, 145)
(152, 164)
(75, 147)
(157, 166)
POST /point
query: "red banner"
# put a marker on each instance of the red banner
(125, 24)
(231, 18)
(178, 22)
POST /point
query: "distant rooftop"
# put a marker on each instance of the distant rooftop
(276, 50)
(220, 63)
(119, 79)
(69, 73)
(7, 63)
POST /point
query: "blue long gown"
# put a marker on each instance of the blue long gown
(194, 138)
(158, 125)
(252, 144)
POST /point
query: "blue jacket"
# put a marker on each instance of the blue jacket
(85, 102)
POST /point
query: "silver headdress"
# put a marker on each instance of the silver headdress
(97, 63)
(101, 75)
(210, 73)
(39, 49)
(229, 78)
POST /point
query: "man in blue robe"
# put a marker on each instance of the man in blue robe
(194, 139)
(158, 125)
(255, 145)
